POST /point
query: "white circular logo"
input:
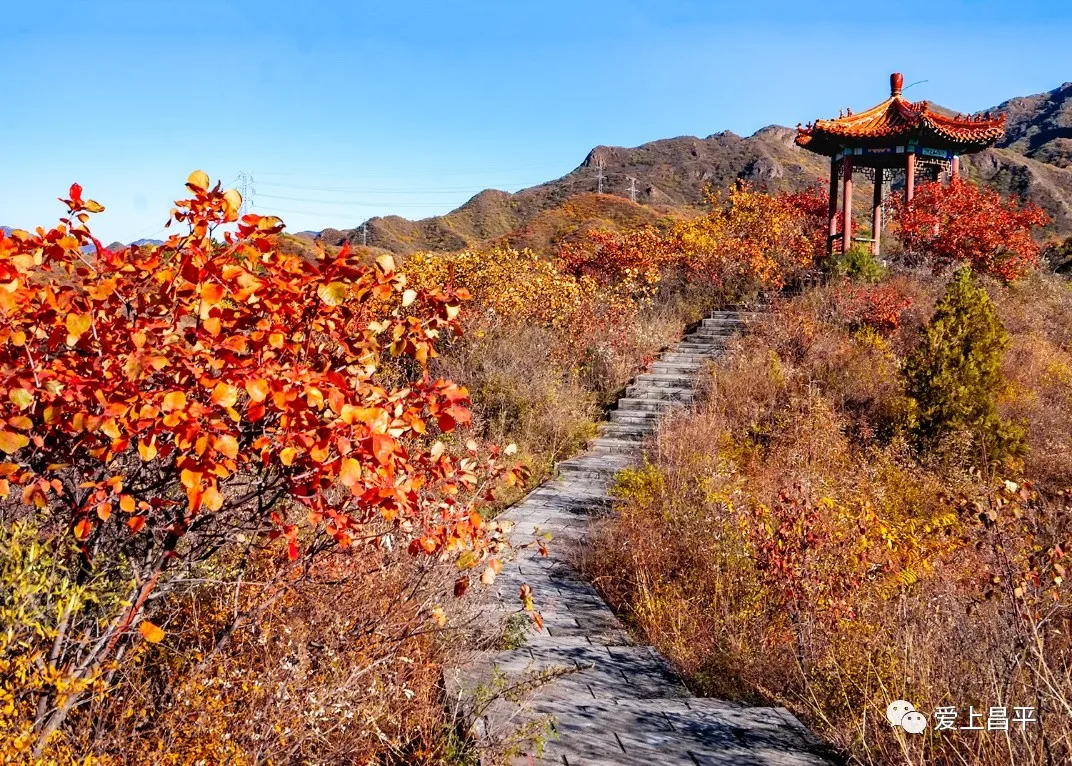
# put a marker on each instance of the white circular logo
(914, 722)
(896, 711)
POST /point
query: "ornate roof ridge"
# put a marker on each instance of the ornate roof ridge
(897, 116)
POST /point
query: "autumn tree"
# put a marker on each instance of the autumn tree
(963, 223)
(749, 240)
(163, 403)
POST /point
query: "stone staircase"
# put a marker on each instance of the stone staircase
(611, 702)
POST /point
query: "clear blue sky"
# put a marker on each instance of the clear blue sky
(410, 108)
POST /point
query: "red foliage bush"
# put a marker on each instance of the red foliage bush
(966, 223)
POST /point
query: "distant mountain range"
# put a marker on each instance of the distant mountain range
(1034, 161)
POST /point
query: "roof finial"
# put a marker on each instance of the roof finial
(896, 83)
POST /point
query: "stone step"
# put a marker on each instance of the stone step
(644, 391)
(673, 356)
(608, 445)
(596, 464)
(594, 672)
(672, 732)
(720, 322)
(632, 404)
(633, 416)
(692, 345)
(676, 366)
(636, 432)
(665, 379)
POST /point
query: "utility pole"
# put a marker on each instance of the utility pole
(632, 189)
(599, 175)
(245, 188)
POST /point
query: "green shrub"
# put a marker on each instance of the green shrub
(858, 264)
(954, 373)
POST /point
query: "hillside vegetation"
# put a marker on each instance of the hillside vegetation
(1033, 162)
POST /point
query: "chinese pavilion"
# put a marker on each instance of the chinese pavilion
(896, 137)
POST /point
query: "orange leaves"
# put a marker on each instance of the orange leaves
(212, 293)
(350, 473)
(383, 447)
(83, 529)
(230, 366)
(225, 395)
(151, 632)
(257, 389)
(174, 400)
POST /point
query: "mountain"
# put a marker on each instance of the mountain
(670, 174)
(5, 229)
(1040, 126)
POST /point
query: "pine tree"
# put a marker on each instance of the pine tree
(954, 373)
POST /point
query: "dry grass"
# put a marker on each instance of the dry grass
(785, 545)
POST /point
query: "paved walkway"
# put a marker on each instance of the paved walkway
(613, 702)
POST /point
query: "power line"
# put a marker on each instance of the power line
(365, 190)
(349, 203)
(427, 174)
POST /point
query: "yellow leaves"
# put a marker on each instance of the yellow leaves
(20, 397)
(93, 206)
(198, 181)
(287, 455)
(408, 297)
(225, 395)
(269, 224)
(258, 389)
(77, 326)
(147, 450)
(174, 400)
(11, 442)
(350, 472)
(126, 503)
(333, 293)
(233, 202)
(439, 616)
(226, 445)
(151, 632)
(386, 263)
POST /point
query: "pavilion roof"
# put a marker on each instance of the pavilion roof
(897, 121)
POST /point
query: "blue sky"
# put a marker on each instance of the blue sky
(344, 110)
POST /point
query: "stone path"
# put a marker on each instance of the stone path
(613, 702)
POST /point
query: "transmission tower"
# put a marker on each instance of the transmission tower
(364, 234)
(599, 175)
(632, 189)
(245, 188)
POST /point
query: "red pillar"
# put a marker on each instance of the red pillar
(910, 177)
(954, 171)
(846, 206)
(876, 212)
(835, 169)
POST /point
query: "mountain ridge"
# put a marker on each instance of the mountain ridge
(1034, 161)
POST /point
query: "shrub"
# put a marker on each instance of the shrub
(168, 404)
(858, 264)
(966, 224)
(955, 372)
